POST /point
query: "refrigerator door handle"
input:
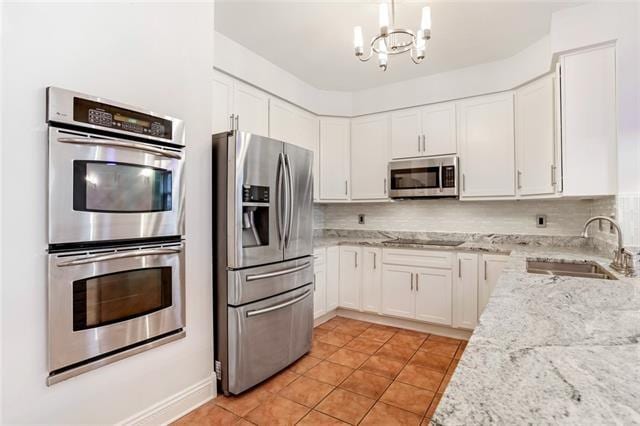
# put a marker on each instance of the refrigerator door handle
(290, 200)
(279, 197)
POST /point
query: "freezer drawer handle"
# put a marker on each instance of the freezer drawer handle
(122, 144)
(278, 273)
(280, 306)
(106, 257)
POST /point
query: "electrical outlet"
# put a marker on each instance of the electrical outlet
(541, 221)
(361, 219)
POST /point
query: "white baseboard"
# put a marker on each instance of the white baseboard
(324, 318)
(177, 405)
(440, 330)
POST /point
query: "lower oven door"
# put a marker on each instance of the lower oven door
(106, 301)
(102, 188)
(267, 336)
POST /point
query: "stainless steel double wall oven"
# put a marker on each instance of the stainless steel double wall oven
(263, 268)
(116, 225)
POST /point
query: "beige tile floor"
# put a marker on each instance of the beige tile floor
(356, 373)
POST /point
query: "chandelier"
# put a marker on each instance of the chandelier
(393, 40)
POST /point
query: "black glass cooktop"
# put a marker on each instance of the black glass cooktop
(408, 241)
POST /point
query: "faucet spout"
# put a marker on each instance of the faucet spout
(617, 263)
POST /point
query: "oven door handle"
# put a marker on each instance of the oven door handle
(278, 273)
(115, 256)
(280, 306)
(122, 144)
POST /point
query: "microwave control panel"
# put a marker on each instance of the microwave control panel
(110, 116)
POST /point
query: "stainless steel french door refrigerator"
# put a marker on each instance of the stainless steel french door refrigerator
(262, 247)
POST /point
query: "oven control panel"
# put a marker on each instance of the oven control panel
(110, 116)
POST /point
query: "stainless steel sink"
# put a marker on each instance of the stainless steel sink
(569, 268)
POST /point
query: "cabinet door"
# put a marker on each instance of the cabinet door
(398, 297)
(350, 277)
(465, 291)
(371, 279)
(319, 291)
(252, 108)
(439, 129)
(486, 142)
(332, 273)
(369, 157)
(222, 102)
(535, 137)
(309, 134)
(282, 121)
(588, 85)
(490, 270)
(433, 295)
(334, 159)
(406, 132)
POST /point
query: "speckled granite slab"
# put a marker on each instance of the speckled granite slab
(550, 350)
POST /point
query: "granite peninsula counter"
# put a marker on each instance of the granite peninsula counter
(547, 349)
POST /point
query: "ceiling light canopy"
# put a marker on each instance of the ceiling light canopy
(393, 40)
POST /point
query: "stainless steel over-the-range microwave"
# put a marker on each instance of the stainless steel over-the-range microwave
(424, 177)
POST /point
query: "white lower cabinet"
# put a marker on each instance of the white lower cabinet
(465, 291)
(371, 279)
(490, 269)
(319, 283)
(332, 277)
(350, 277)
(397, 291)
(411, 291)
(433, 295)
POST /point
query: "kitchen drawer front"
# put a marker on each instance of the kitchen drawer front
(319, 256)
(419, 257)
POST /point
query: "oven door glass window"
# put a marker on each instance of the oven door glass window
(111, 187)
(415, 178)
(120, 296)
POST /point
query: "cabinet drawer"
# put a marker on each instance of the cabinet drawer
(319, 256)
(418, 257)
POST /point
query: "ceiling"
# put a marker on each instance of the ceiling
(313, 39)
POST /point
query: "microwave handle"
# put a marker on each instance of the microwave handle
(115, 256)
(440, 176)
(122, 144)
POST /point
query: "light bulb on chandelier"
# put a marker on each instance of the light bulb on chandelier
(392, 40)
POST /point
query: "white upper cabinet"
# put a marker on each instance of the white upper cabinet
(222, 102)
(406, 133)
(369, 157)
(486, 145)
(535, 137)
(439, 129)
(282, 121)
(424, 131)
(588, 85)
(334, 158)
(251, 107)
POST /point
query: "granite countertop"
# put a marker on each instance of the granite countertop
(547, 349)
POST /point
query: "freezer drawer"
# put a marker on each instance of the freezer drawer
(251, 284)
(267, 336)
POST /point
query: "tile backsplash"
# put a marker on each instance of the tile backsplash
(564, 216)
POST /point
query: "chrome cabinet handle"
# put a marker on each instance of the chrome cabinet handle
(553, 175)
(417, 284)
(289, 180)
(374, 260)
(355, 259)
(418, 143)
(278, 273)
(115, 256)
(237, 122)
(314, 282)
(279, 198)
(280, 306)
(385, 186)
(231, 123)
(459, 268)
(346, 184)
(485, 270)
(464, 188)
(424, 143)
(519, 178)
(117, 143)
(412, 281)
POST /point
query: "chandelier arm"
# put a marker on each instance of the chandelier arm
(414, 59)
(365, 59)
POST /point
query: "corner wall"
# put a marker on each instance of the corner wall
(155, 55)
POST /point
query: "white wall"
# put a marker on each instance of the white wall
(242, 63)
(157, 56)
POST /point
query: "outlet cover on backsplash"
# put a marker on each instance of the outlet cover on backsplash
(361, 219)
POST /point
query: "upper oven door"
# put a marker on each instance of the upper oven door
(431, 177)
(103, 188)
(106, 300)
